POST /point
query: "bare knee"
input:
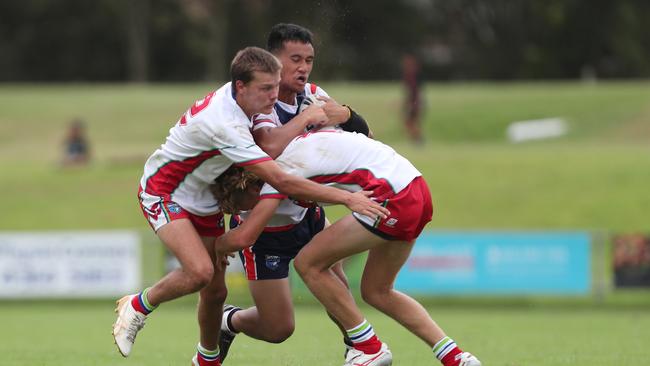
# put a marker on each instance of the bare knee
(301, 266)
(376, 296)
(307, 268)
(278, 333)
(214, 297)
(200, 275)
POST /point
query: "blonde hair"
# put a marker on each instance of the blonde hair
(230, 188)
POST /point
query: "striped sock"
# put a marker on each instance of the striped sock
(207, 357)
(141, 304)
(446, 351)
(364, 339)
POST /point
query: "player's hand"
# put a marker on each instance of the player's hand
(223, 260)
(316, 116)
(336, 113)
(361, 203)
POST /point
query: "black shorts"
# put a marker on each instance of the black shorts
(269, 257)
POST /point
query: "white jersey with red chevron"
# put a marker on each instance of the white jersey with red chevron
(209, 137)
(346, 160)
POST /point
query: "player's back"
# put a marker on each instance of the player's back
(348, 160)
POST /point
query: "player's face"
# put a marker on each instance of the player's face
(260, 94)
(297, 61)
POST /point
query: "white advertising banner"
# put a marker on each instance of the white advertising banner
(69, 264)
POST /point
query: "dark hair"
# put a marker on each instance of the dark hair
(252, 59)
(283, 32)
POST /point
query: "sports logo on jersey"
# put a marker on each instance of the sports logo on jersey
(154, 211)
(391, 222)
(174, 208)
(272, 262)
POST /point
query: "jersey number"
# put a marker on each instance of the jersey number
(198, 106)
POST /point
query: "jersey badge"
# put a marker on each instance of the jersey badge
(272, 262)
(391, 222)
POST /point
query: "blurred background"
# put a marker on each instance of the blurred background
(194, 40)
(530, 121)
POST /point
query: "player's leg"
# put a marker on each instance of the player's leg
(383, 263)
(211, 297)
(196, 271)
(337, 268)
(315, 260)
(266, 265)
(197, 267)
(271, 319)
(341, 240)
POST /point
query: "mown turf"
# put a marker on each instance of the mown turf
(78, 333)
(594, 178)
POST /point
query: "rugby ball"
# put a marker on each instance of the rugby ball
(309, 100)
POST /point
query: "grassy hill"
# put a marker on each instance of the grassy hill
(596, 177)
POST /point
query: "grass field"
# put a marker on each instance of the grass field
(595, 178)
(78, 334)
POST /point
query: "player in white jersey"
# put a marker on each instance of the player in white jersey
(267, 261)
(174, 194)
(353, 162)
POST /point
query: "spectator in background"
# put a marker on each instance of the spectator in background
(412, 98)
(77, 150)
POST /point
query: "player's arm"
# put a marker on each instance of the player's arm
(246, 233)
(273, 140)
(305, 189)
(345, 117)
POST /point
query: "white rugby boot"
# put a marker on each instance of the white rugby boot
(129, 322)
(467, 359)
(357, 358)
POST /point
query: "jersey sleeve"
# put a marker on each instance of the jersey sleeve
(265, 120)
(235, 142)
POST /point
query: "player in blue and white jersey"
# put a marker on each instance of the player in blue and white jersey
(267, 261)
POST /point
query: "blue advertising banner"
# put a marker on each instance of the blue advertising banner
(498, 263)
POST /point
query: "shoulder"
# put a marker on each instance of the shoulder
(265, 120)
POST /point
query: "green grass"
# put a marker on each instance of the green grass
(594, 178)
(51, 333)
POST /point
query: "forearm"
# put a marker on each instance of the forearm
(274, 140)
(356, 123)
(304, 189)
(297, 187)
(247, 233)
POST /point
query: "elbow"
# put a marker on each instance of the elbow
(272, 150)
(284, 183)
